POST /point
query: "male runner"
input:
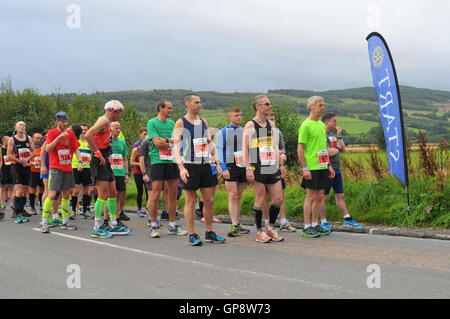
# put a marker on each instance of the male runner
(20, 151)
(163, 168)
(99, 141)
(82, 177)
(36, 186)
(229, 149)
(191, 131)
(314, 160)
(261, 149)
(60, 145)
(6, 183)
(119, 165)
(335, 146)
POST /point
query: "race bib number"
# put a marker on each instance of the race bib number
(201, 147)
(165, 154)
(239, 159)
(86, 157)
(323, 158)
(36, 162)
(24, 153)
(64, 157)
(6, 160)
(333, 141)
(116, 161)
(267, 155)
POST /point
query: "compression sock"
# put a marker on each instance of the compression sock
(112, 208)
(46, 209)
(40, 199)
(258, 217)
(98, 208)
(32, 198)
(73, 203)
(273, 214)
(86, 202)
(65, 203)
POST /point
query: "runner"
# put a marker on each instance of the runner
(99, 141)
(82, 177)
(54, 219)
(137, 174)
(163, 169)
(6, 184)
(20, 151)
(313, 156)
(229, 148)
(285, 225)
(36, 186)
(261, 149)
(119, 165)
(60, 145)
(335, 145)
(191, 131)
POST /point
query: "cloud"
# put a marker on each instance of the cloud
(219, 45)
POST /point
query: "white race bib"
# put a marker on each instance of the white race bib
(323, 158)
(165, 154)
(64, 157)
(86, 157)
(116, 161)
(24, 153)
(6, 160)
(267, 155)
(239, 159)
(201, 147)
(36, 162)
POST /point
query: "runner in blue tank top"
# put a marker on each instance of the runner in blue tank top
(191, 135)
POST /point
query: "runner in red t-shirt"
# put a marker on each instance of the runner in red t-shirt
(60, 145)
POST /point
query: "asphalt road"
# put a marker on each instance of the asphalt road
(35, 265)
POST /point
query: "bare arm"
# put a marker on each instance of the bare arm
(98, 126)
(52, 145)
(9, 151)
(134, 155)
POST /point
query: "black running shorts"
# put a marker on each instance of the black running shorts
(200, 176)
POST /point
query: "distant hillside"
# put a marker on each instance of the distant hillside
(424, 109)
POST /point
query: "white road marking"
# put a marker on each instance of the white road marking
(261, 275)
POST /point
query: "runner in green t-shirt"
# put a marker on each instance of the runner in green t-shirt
(119, 165)
(313, 155)
(163, 167)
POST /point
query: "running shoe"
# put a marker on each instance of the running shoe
(123, 216)
(140, 213)
(243, 230)
(211, 237)
(119, 230)
(176, 231)
(194, 240)
(352, 224)
(72, 216)
(310, 233)
(101, 233)
(3, 206)
(33, 211)
(128, 229)
(80, 211)
(234, 231)
(68, 226)
(25, 213)
(272, 233)
(21, 219)
(327, 227)
(261, 237)
(87, 215)
(319, 229)
(44, 228)
(158, 223)
(154, 232)
(57, 221)
(215, 220)
(287, 227)
(164, 215)
(2, 215)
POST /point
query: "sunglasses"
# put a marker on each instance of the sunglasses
(266, 104)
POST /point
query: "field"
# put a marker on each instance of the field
(217, 118)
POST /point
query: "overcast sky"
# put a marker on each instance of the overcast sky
(221, 45)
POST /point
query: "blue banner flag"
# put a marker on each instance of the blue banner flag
(389, 102)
